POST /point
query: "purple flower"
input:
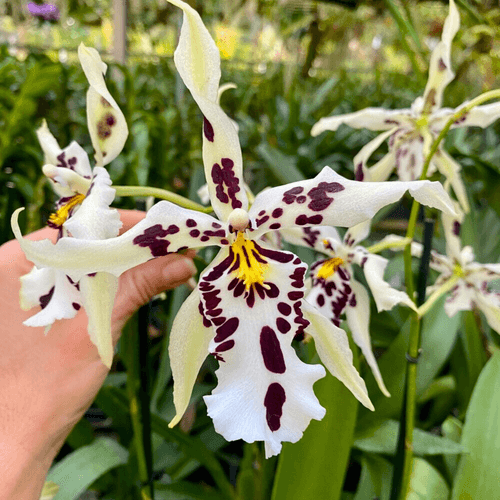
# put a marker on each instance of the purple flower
(47, 11)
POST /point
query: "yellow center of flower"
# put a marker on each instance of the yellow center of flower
(422, 122)
(59, 218)
(329, 267)
(458, 271)
(252, 266)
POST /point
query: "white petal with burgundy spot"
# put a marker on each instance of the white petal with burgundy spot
(167, 228)
(370, 118)
(198, 61)
(53, 291)
(264, 392)
(107, 125)
(331, 200)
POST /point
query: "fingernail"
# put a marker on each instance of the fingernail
(190, 264)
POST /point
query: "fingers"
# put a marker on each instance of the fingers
(138, 285)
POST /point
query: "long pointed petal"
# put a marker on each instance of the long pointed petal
(198, 61)
(452, 171)
(370, 118)
(385, 296)
(489, 303)
(334, 351)
(364, 154)
(358, 319)
(187, 349)
(107, 125)
(480, 116)
(167, 228)
(440, 72)
(331, 200)
(98, 296)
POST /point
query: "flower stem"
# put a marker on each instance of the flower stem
(387, 244)
(480, 99)
(445, 287)
(163, 194)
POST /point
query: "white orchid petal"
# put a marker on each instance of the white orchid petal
(95, 220)
(409, 157)
(461, 298)
(167, 228)
(452, 171)
(356, 234)
(370, 118)
(50, 289)
(382, 170)
(358, 319)
(489, 303)
(198, 61)
(187, 349)
(49, 144)
(480, 116)
(385, 296)
(107, 125)
(333, 349)
(264, 392)
(364, 154)
(66, 182)
(98, 296)
(312, 237)
(330, 199)
(440, 72)
(452, 227)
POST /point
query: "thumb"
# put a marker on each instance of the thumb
(138, 285)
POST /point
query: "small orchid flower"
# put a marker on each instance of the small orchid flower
(248, 304)
(466, 279)
(335, 291)
(411, 131)
(82, 211)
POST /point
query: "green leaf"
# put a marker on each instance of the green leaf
(322, 452)
(477, 476)
(185, 491)
(281, 165)
(384, 440)
(426, 483)
(76, 472)
(375, 481)
(439, 333)
(452, 429)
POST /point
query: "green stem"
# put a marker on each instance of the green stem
(480, 99)
(445, 287)
(388, 245)
(414, 341)
(163, 194)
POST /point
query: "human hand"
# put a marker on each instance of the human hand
(48, 381)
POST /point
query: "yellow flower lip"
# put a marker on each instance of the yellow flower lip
(57, 219)
(329, 267)
(252, 266)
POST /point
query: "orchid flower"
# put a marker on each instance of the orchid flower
(248, 304)
(466, 279)
(82, 211)
(334, 290)
(411, 131)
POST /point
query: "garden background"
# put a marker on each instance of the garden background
(293, 62)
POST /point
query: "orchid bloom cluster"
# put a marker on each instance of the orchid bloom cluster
(465, 279)
(249, 303)
(411, 131)
(334, 290)
(82, 211)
